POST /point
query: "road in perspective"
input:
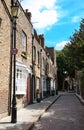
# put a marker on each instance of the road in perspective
(67, 113)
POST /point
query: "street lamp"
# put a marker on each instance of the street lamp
(14, 13)
(14, 8)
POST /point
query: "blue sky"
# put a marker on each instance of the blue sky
(56, 19)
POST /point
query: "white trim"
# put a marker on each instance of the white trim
(21, 64)
(21, 80)
(20, 93)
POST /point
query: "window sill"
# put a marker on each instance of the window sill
(20, 93)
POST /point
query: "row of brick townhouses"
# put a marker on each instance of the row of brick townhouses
(35, 63)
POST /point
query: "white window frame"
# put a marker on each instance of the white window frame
(21, 80)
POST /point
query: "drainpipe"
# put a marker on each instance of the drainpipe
(41, 95)
(32, 88)
(10, 76)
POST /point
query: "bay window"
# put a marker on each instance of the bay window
(21, 80)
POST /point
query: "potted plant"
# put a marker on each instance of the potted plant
(24, 54)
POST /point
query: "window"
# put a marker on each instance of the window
(21, 80)
(34, 53)
(37, 83)
(47, 68)
(24, 42)
(38, 58)
(43, 63)
(44, 85)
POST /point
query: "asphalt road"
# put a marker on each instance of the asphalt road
(67, 113)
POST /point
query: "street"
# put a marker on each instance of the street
(67, 113)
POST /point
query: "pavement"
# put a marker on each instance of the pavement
(67, 113)
(26, 117)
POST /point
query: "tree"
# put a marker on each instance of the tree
(77, 46)
(65, 66)
(72, 56)
(60, 67)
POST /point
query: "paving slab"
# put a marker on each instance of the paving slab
(26, 117)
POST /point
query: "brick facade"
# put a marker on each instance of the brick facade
(24, 65)
(5, 39)
(24, 25)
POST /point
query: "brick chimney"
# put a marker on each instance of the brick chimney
(41, 39)
(28, 14)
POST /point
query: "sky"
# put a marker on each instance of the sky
(56, 19)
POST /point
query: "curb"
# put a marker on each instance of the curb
(38, 118)
(80, 99)
(52, 103)
(31, 126)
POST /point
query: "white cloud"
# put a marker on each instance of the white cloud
(44, 13)
(60, 46)
(76, 19)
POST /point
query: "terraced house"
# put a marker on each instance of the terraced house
(35, 63)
